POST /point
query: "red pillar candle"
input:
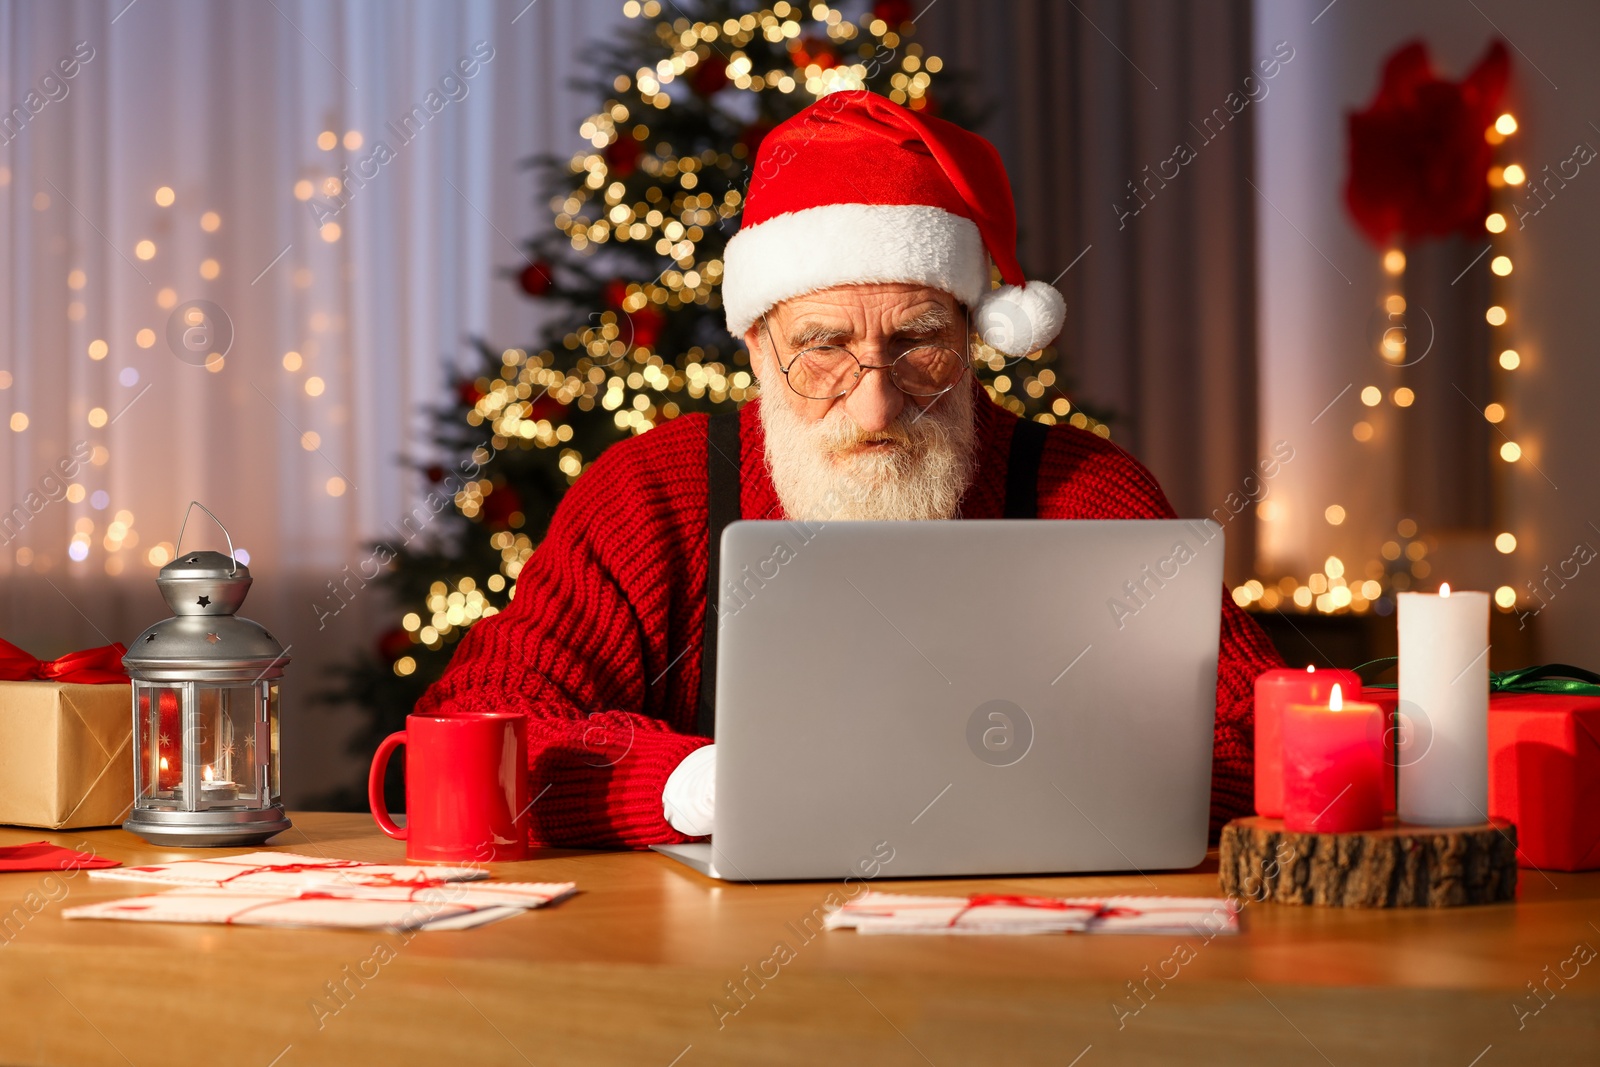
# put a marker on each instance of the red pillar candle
(1385, 699)
(1333, 766)
(1276, 690)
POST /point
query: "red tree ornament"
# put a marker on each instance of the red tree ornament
(642, 327)
(537, 278)
(501, 506)
(895, 12)
(622, 156)
(1419, 161)
(813, 49)
(467, 392)
(393, 644)
(647, 324)
(710, 75)
(547, 407)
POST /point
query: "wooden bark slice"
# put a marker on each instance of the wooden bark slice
(1398, 866)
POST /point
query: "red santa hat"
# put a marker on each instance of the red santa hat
(858, 189)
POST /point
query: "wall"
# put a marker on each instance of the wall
(1320, 278)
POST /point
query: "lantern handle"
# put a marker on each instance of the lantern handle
(178, 551)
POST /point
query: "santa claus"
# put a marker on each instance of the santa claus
(859, 280)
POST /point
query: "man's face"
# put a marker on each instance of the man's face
(875, 453)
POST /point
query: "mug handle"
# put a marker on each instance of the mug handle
(380, 767)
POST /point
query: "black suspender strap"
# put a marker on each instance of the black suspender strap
(1022, 469)
(722, 508)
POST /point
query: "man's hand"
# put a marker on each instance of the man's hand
(691, 792)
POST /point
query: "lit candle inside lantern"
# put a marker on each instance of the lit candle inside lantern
(1443, 748)
(213, 788)
(1276, 691)
(1333, 766)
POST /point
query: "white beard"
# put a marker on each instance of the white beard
(922, 475)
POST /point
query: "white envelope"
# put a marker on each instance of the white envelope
(897, 913)
(287, 872)
(236, 908)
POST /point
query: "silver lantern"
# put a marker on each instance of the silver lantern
(205, 710)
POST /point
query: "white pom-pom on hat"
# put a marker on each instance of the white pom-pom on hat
(1017, 319)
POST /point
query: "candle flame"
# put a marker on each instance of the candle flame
(1444, 588)
(163, 763)
(1311, 668)
(206, 774)
(1336, 698)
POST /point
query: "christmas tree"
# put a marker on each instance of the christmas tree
(633, 265)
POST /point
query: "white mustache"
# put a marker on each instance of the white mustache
(827, 470)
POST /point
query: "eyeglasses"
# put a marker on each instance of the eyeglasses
(828, 372)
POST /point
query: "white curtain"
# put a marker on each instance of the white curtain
(149, 158)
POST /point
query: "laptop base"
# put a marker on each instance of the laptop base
(696, 854)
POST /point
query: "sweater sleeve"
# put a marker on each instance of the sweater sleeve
(1121, 487)
(581, 651)
(1245, 653)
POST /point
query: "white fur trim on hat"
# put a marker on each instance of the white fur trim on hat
(801, 252)
(1017, 319)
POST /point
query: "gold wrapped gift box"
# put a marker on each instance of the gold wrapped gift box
(65, 761)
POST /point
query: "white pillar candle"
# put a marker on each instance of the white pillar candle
(1443, 747)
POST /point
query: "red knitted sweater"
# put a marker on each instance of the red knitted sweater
(600, 646)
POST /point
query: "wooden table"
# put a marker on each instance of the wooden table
(637, 969)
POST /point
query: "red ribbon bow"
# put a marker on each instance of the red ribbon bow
(981, 900)
(291, 868)
(89, 666)
(385, 879)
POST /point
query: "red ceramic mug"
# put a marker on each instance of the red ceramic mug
(466, 787)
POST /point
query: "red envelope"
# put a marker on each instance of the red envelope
(43, 856)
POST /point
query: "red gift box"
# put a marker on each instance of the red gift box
(1544, 774)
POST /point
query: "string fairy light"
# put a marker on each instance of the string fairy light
(1402, 560)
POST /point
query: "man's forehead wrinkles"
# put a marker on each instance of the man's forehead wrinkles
(813, 326)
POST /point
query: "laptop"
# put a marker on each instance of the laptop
(963, 698)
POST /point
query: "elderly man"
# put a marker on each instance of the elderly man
(857, 281)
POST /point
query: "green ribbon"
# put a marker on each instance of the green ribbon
(1550, 678)
(1546, 678)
